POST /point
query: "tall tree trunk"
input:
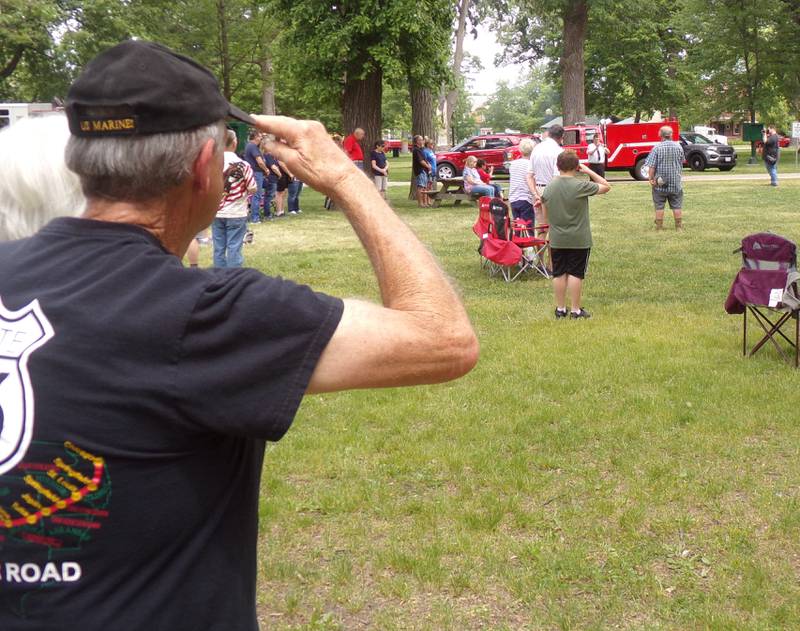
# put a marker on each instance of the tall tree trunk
(573, 99)
(224, 55)
(361, 107)
(267, 86)
(421, 111)
(12, 64)
(447, 101)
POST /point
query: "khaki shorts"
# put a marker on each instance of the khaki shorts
(381, 182)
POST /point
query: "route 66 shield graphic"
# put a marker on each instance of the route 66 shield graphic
(21, 333)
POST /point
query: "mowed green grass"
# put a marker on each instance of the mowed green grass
(632, 471)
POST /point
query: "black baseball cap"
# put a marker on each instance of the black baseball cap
(140, 88)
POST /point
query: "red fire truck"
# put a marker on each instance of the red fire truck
(628, 143)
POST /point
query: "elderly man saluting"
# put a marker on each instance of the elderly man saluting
(665, 169)
(138, 394)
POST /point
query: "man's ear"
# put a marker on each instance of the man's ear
(204, 168)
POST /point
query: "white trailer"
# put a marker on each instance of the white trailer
(10, 113)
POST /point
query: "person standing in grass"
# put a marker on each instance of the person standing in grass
(430, 158)
(543, 165)
(380, 167)
(771, 154)
(565, 205)
(665, 166)
(352, 147)
(419, 172)
(596, 151)
(143, 377)
(520, 195)
(230, 225)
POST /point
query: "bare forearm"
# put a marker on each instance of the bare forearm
(532, 184)
(408, 275)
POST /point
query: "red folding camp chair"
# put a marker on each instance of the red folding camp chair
(766, 288)
(498, 253)
(535, 246)
(510, 246)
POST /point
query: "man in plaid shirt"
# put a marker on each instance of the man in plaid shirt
(665, 164)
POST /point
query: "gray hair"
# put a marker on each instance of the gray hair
(138, 168)
(231, 139)
(665, 132)
(36, 185)
(526, 146)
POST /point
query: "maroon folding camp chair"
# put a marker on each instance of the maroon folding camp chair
(766, 288)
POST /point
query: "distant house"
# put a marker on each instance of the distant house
(727, 124)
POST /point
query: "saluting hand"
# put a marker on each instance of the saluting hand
(309, 152)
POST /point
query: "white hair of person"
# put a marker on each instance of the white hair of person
(36, 185)
(138, 168)
(666, 132)
(526, 146)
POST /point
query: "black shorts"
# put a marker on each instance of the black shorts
(570, 261)
(283, 182)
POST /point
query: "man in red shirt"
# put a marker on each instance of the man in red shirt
(352, 147)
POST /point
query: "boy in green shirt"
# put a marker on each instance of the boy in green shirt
(565, 202)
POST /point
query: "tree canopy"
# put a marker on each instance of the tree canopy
(386, 63)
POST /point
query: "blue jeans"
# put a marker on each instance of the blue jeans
(228, 235)
(772, 169)
(295, 188)
(523, 209)
(270, 190)
(255, 200)
(482, 189)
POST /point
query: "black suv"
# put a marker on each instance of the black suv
(702, 153)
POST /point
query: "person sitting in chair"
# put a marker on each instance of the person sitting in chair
(473, 184)
(486, 174)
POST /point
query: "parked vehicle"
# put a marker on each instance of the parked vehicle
(490, 147)
(711, 134)
(628, 143)
(783, 142)
(395, 145)
(702, 152)
(10, 113)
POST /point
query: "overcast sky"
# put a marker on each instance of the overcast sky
(483, 83)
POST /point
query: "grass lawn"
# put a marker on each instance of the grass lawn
(400, 168)
(632, 471)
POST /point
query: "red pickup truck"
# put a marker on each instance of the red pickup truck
(628, 143)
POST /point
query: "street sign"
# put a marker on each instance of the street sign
(796, 129)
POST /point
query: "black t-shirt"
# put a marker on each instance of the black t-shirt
(380, 160)
(129, 501)
(772, 148)
(416, 161)
(251, 155)
(270, 161)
